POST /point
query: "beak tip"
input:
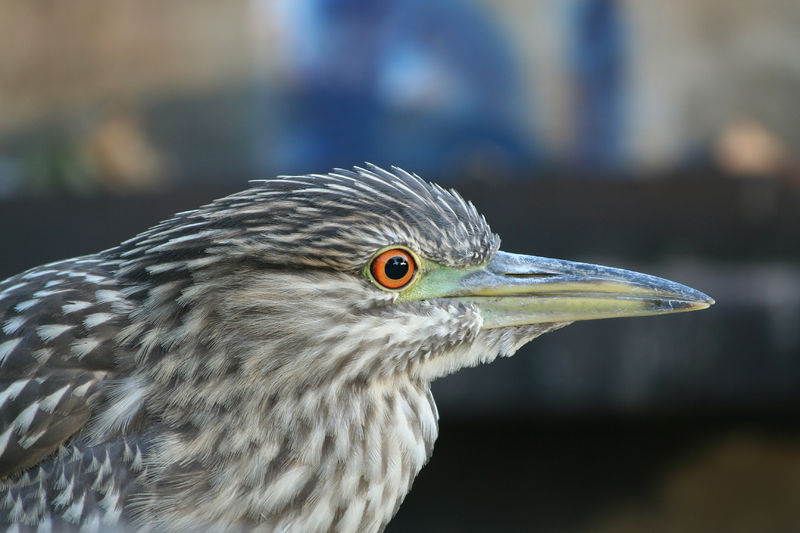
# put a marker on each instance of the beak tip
(668, 305)
(699, 306)
(704, 300)
(694, 299)
(698, 302)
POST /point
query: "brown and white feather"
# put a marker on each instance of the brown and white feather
(230, 368)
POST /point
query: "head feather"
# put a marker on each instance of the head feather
(335, 220)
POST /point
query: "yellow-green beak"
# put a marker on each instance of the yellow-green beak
(514, 290)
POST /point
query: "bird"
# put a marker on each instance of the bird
(264, 362)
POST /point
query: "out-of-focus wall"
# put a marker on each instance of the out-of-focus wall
(59, 57)
(703, 68)
(269, 85)
(695, 69)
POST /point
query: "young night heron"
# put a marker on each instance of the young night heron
(265, 361)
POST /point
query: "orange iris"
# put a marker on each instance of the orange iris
(393, 268)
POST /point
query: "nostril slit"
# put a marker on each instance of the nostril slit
(532, 275)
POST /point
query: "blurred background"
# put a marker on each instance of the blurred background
(657, 136)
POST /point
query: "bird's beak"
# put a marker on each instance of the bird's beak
(514, 290)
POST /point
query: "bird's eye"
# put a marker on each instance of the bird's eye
(393, 269)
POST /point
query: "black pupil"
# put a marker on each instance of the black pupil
(396, 267)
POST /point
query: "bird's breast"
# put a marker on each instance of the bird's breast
(338, 460)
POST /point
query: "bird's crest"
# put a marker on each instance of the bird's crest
(335, 220)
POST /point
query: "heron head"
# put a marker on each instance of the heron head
(366, 273)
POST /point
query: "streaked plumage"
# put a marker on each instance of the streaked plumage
(234, 367)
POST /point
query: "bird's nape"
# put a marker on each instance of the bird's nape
(264, 362)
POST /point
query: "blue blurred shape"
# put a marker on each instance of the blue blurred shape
(430, 85)
(599, 56)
